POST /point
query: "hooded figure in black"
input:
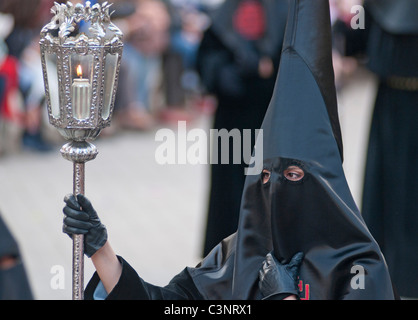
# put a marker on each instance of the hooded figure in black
(14, 282)
(295, 200)
(301, 201)
(390, 202)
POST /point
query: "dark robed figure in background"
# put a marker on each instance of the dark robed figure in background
(238, 61)
(390, 195)
(300, 232)
(14, 283)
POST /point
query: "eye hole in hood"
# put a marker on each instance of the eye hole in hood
(293, 173)
(265, 176)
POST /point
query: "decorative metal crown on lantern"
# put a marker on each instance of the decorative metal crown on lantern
(81, 51)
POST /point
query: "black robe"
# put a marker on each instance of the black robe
(132, 287)
(390, 202)
(14, 283)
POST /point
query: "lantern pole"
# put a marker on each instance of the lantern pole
(79, 152)
(80, 104)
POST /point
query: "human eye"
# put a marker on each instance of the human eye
(293, 173)
(265, 176)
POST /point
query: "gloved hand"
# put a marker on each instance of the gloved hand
(81, 218)
(276, 279)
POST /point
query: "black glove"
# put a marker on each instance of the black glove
(81, 218)
(279, 280)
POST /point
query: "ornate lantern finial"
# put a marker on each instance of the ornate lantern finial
(81, 51)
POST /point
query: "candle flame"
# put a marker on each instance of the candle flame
(79, 71)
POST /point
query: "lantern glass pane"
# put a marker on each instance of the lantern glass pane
(109, 83)
(53, 89)
(81, 67)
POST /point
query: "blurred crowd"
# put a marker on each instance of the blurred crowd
(158, 80)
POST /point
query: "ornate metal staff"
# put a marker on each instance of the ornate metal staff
(81, 50)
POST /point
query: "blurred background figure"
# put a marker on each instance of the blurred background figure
(14, 284)
(145, 24)
(10, 113)
(158, 77)
(389, 46)
(24, 96)
(237, 61)
(181, 83)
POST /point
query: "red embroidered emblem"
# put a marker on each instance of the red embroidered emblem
(249, 20)
(303, 289)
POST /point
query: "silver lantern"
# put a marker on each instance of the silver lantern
(81, 52)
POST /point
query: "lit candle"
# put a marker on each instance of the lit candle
(81, 96)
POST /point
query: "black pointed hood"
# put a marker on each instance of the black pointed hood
(304, 103)
(311, 209)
